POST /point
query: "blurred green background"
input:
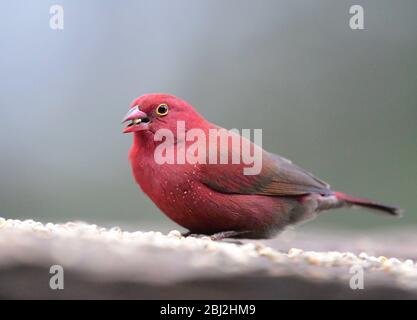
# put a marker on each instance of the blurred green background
(339, 102)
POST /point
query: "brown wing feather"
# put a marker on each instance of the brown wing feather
(290, 179)
(278, 177)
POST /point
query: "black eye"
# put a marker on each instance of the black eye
(162, 110)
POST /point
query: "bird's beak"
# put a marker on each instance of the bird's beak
(139, 120)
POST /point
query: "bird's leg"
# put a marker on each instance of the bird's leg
(227, 234)
(194, 235)
(223, 235)
(186, 234)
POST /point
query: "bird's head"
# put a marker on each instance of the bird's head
(151, 112)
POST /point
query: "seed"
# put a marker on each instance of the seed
(174, 234)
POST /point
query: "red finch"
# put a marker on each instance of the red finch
(213, 197)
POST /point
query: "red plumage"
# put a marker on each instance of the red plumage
(218, 199)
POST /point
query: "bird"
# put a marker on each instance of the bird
(218, 199)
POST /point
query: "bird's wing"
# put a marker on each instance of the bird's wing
(278, 177)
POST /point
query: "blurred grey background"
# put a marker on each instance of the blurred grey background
(339, 102)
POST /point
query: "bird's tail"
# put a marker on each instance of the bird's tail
(368, 204)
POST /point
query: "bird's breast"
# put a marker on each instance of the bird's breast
(177, 190)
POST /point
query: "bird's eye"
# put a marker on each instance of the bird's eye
(162, 110)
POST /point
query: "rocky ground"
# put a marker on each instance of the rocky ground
(112, 263)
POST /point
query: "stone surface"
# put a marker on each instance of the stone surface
(113, 263)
